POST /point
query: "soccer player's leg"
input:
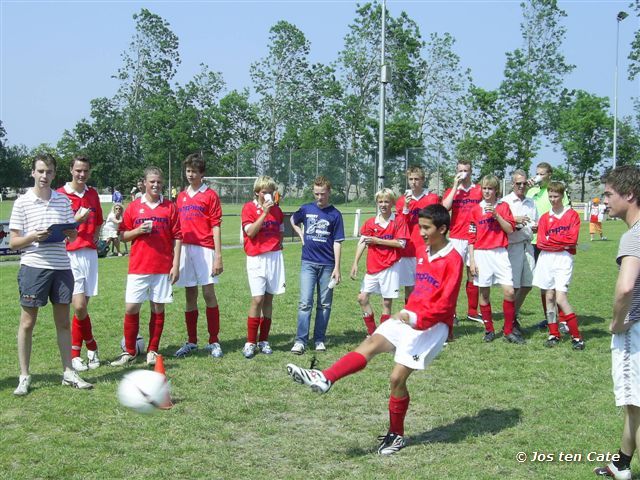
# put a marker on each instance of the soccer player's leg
(394, 440)
(63, 331)
(367, 312)
(265, 324)
(572, 320)
(213, 320)
(487, 314)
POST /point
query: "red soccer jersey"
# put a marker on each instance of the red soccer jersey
(435, 295)
(269, 236)
(152, 253)
(87, 229)
(463, 203)
(488, 232)
(198, 215)
(559, 233)
(381, 257)
(411, 220)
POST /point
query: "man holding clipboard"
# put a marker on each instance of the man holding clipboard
(45, 271)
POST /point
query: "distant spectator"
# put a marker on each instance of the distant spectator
(138, 190)
(116, 197)
(596, 217)
(111, 227)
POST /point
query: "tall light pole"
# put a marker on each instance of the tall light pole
(385, 76)
(621, 16)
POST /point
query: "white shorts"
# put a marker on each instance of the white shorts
(196, 265)
(462, 247)
(266, 274)
(522, 264)
(415, 349)
(407, 271)
(625, 366)
(493, 267)
(84, 265)
(553, 271)
(385, 283)
(155, 287)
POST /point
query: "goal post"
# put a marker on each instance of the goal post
(232, 189)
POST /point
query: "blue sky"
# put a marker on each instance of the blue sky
(57, 56)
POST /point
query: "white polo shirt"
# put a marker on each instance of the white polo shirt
(520, 208)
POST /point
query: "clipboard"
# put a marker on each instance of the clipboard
(56, 231)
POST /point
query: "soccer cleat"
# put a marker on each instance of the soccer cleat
(186, 349)
(249, 350)
(611, 471)
(475, 318)
(123, 360)
(24, 382)
(298, 348)
(152, 357)
(391, 443)
(78, 364)
(577, 344)
(264, 347)
(311, 378)
(542, 325)
(320, 347)
(489, 336)
(93, 361)
(515, 338)
(517, 328)
(214, 349)
(563, 328)
(552, 341)
(72, 379)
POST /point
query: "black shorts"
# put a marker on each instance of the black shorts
(37, 285)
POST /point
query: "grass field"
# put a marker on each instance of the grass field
(471, 412)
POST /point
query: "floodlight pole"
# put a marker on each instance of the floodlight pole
(621, 16)
(384, 79)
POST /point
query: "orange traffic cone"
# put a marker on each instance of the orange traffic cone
(167, 403)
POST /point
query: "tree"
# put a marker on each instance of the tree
(584, 132)
(634, 53)
(12, 160)
(628, 143)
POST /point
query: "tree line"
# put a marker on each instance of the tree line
(432, 106)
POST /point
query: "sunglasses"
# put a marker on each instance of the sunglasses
(520, 184)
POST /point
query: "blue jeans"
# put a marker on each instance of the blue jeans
(314, 277)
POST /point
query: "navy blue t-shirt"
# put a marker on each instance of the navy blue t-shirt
(322, 227)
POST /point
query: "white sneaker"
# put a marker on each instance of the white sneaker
(311, 378)
(78, 364)
(151, 358)
(612, 471)
(93, 361)
(123, 360)
(72, 379)
(391, 443)
(298, 348)
(563, 328)
(320, 347)
(24, 382)
(249, 350)
(215, 349)
(186, 349)
(265, 348)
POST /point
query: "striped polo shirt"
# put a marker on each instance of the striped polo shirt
(32, 213)
(630, 247)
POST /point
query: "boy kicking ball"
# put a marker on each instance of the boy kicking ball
(416, 333)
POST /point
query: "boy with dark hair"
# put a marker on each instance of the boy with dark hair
(558, 232)
(152, 224)
(416, 334)
(83, 255)
(201, 254)
(45, 271)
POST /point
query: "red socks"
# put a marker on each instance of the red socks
(213, 323)
(397, 411)
(131, 326)
(265, 327)
(487, 317)
(369, 322)
(572, 323)
(509, 309)
(191, 320)
(156, 325)
(252, 329)
(76, 337)
(554, 330)
(473, 293)
(384, 318)
(351, 363)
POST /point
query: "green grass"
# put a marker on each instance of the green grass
(471, 412)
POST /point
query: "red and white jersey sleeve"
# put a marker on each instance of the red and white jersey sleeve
(87, 229)
(464, 202)
(435, 295)
(152, 253)
(198, 215)
(381, 257)
(410, 216)
(269, 237)
(488, 232)
(559, 233)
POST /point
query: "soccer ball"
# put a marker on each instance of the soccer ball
(143, 390)
(139, 345)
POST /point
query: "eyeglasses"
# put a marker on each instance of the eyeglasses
(520, 184)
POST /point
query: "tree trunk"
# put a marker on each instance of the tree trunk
(584, 174)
